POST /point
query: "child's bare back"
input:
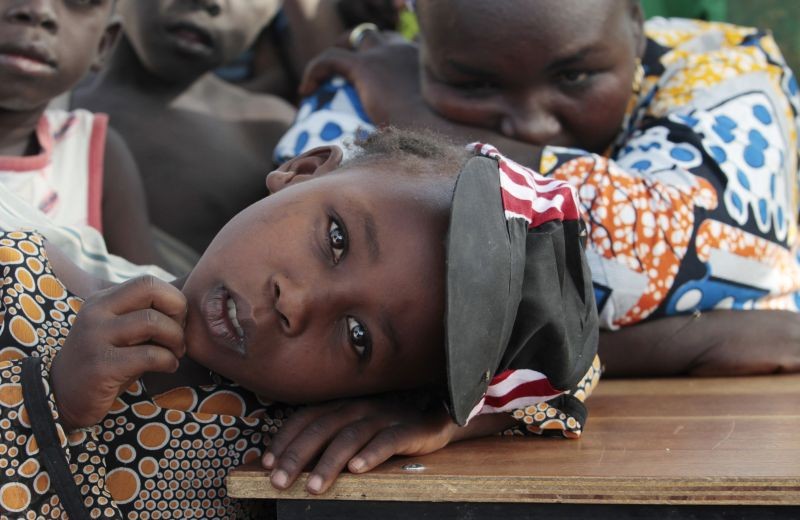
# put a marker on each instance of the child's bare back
(203, 146)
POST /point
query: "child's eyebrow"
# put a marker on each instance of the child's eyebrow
(371, 237)
(389, 331)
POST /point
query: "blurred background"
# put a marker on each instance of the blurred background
(781, 16)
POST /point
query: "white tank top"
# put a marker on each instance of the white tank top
(65, 180)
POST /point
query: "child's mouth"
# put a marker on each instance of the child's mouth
(221, 316)
(191, 38)
(26, 62)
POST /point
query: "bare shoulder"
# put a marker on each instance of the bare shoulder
(214, 96)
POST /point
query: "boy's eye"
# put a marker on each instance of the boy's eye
(338, 240)
(359, 337)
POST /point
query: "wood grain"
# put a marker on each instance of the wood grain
(679, 441)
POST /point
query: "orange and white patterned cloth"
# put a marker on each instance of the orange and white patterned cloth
(160, 457)
(695, 206)
(65, 179)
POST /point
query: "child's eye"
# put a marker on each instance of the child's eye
(477, 88)
(359, 337)
(338, 240)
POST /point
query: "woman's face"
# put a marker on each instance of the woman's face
(546, 72)
(328, 288)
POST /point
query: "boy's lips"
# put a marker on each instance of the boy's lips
(30, 59)
(191, 38)
(221, 313)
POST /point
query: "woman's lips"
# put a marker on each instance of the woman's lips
(221, 316)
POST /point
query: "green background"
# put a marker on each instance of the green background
(781, 16)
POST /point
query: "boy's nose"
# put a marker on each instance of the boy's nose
(212, 7)
(36, 13)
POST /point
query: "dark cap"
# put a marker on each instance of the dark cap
(519, 291)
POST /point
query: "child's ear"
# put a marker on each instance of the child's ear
(107, 43)
(306, 166)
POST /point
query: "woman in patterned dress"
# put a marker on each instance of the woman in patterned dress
(680, 136)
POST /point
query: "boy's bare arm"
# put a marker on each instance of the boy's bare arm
(126, 225)
(716, 343)
(360, 434)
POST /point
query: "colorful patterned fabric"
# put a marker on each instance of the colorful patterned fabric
(160, 457)
(65, 179)
(333, 115)
(695, 206)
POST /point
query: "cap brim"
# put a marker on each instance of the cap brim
(481, 304)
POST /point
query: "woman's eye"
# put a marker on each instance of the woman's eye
(338, 240)
(359, 337)
(574, 77)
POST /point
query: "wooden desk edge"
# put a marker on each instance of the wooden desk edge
(590, 490)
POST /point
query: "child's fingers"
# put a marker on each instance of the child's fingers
(145, 292)
(148, 326)
(347, 443)
(396, 440)
(291, 428)
(334, 61)
(308, 443)
(132, 362)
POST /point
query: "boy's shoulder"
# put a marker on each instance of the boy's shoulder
(214, 96)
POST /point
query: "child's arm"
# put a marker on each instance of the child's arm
(126, 225)
(94, 364)
(720, 342)
(362, 433)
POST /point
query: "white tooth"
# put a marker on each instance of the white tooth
(232, 316)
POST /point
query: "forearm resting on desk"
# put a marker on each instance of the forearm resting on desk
(716, 343)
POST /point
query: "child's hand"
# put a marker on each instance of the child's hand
(120, 333)
(357, 433)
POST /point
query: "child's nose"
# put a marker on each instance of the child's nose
(296, 302)
(38, 13)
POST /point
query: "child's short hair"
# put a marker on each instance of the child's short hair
(422, 152)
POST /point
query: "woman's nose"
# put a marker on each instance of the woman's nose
(532, 122)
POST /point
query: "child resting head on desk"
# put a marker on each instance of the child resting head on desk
(348, 281)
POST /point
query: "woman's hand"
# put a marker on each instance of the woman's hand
(385, 72)
(358, 434)
(119, 334)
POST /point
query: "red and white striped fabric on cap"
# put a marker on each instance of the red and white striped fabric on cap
(536, 199)
(530, 195)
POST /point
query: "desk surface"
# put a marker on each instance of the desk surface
(666, 441)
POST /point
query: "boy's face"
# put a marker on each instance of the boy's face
(336, 285)
(556, 72)
(46, 47)
(183, 39)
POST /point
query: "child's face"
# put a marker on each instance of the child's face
(46, 47)
(336, 284)
(183, 39)
(554, 72)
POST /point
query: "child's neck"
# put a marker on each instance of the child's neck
(125, 71)
(18, 132)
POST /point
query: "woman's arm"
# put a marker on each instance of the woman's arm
(716, 343)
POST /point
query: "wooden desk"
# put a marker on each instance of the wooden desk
(667, 442)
